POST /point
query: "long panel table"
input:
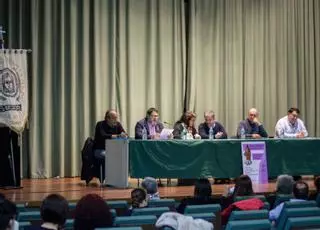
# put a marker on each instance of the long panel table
(219, 158)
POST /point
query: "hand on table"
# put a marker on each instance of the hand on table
(256, 136)
(218, 135)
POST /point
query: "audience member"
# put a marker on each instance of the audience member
(8, 212)
(92, 212)
(151, 186)
(300, 193)
(313, 195)
(138, 200)
(202, 195)
(284, 186)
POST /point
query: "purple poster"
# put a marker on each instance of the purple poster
(254, 161)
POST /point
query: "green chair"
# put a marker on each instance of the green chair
(69, 224)
(29, 216)
(118, 204)
(135, 220)
(21, 207)
(303, 223)
(266, 206)
(300, 204)
(72, 206)
(295, 212)
(204, 216)
(248, 225)
(24, 225)
(318, 200)
(161, 203)
(120, 228)
(261, 197)
(280, 198)
(204, 208)
(249, 215)
(149, 211)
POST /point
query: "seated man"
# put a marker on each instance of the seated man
(252, 126)
(151, 123)
(291, 126)
(300, 193)
(210, 122)
(109, 128)
(151, 186)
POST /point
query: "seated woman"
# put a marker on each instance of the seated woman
(314, 195)
(202, 195)
(54, 210)
(185, 127)
(243, 187)
(138, 200)
(92, 212)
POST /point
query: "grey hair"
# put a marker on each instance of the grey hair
(150, 185)
(209, 113)
(285, 184)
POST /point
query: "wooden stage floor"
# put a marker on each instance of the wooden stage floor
(34, 190)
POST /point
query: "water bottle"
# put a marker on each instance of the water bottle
(184, 133)
(242, 133)
(144, 134)
(210, 133)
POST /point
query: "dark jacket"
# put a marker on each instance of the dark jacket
(204, 130)
(105, 131)
(144, 123)
(178, 128)
(251, 128)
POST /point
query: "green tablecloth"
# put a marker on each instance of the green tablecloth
(219, 158)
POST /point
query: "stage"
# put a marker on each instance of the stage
(34, 190)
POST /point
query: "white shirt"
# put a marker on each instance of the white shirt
(286, 129)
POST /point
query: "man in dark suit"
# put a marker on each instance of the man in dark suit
(218, 130)
(151, 124)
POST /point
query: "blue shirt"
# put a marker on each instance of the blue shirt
(275, 213)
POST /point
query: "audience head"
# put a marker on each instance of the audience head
(202, 189)
(209, 117)
(188, 118)
(8, 212)
(317, 183)
(252, 114)
(152, 115)
(301, 190)
(111, 117)
(92, 212)
(243, 186)
(150, 185)
(293, 114)
(54, 209)
(284, 184)
(138, 198)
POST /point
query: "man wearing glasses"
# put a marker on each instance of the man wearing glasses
(251, 126)
(291, 126)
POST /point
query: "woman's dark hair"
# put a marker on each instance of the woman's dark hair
(186, 117)
(92, 212)
(54, 209)
(202, 189)
(243, 186)
(138, 195)
(8, 211)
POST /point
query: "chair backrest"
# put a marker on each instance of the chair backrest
(149, 211)
(69, 224)
(266, 206)
(249, 215)
(204, 208)
(21, 207)
(295, 212)
(261, 197)
(29, 216)
(300, 204)
(120, 228)
(161, 203)
(280, 198)
(210, 217)
(115, 204)
(318, 200)
(303, 223)
(24, 225)
(248, 225)
(135, 220)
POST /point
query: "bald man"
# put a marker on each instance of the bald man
(109, 128)
(252, 126)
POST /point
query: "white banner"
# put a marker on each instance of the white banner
(13, 89)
